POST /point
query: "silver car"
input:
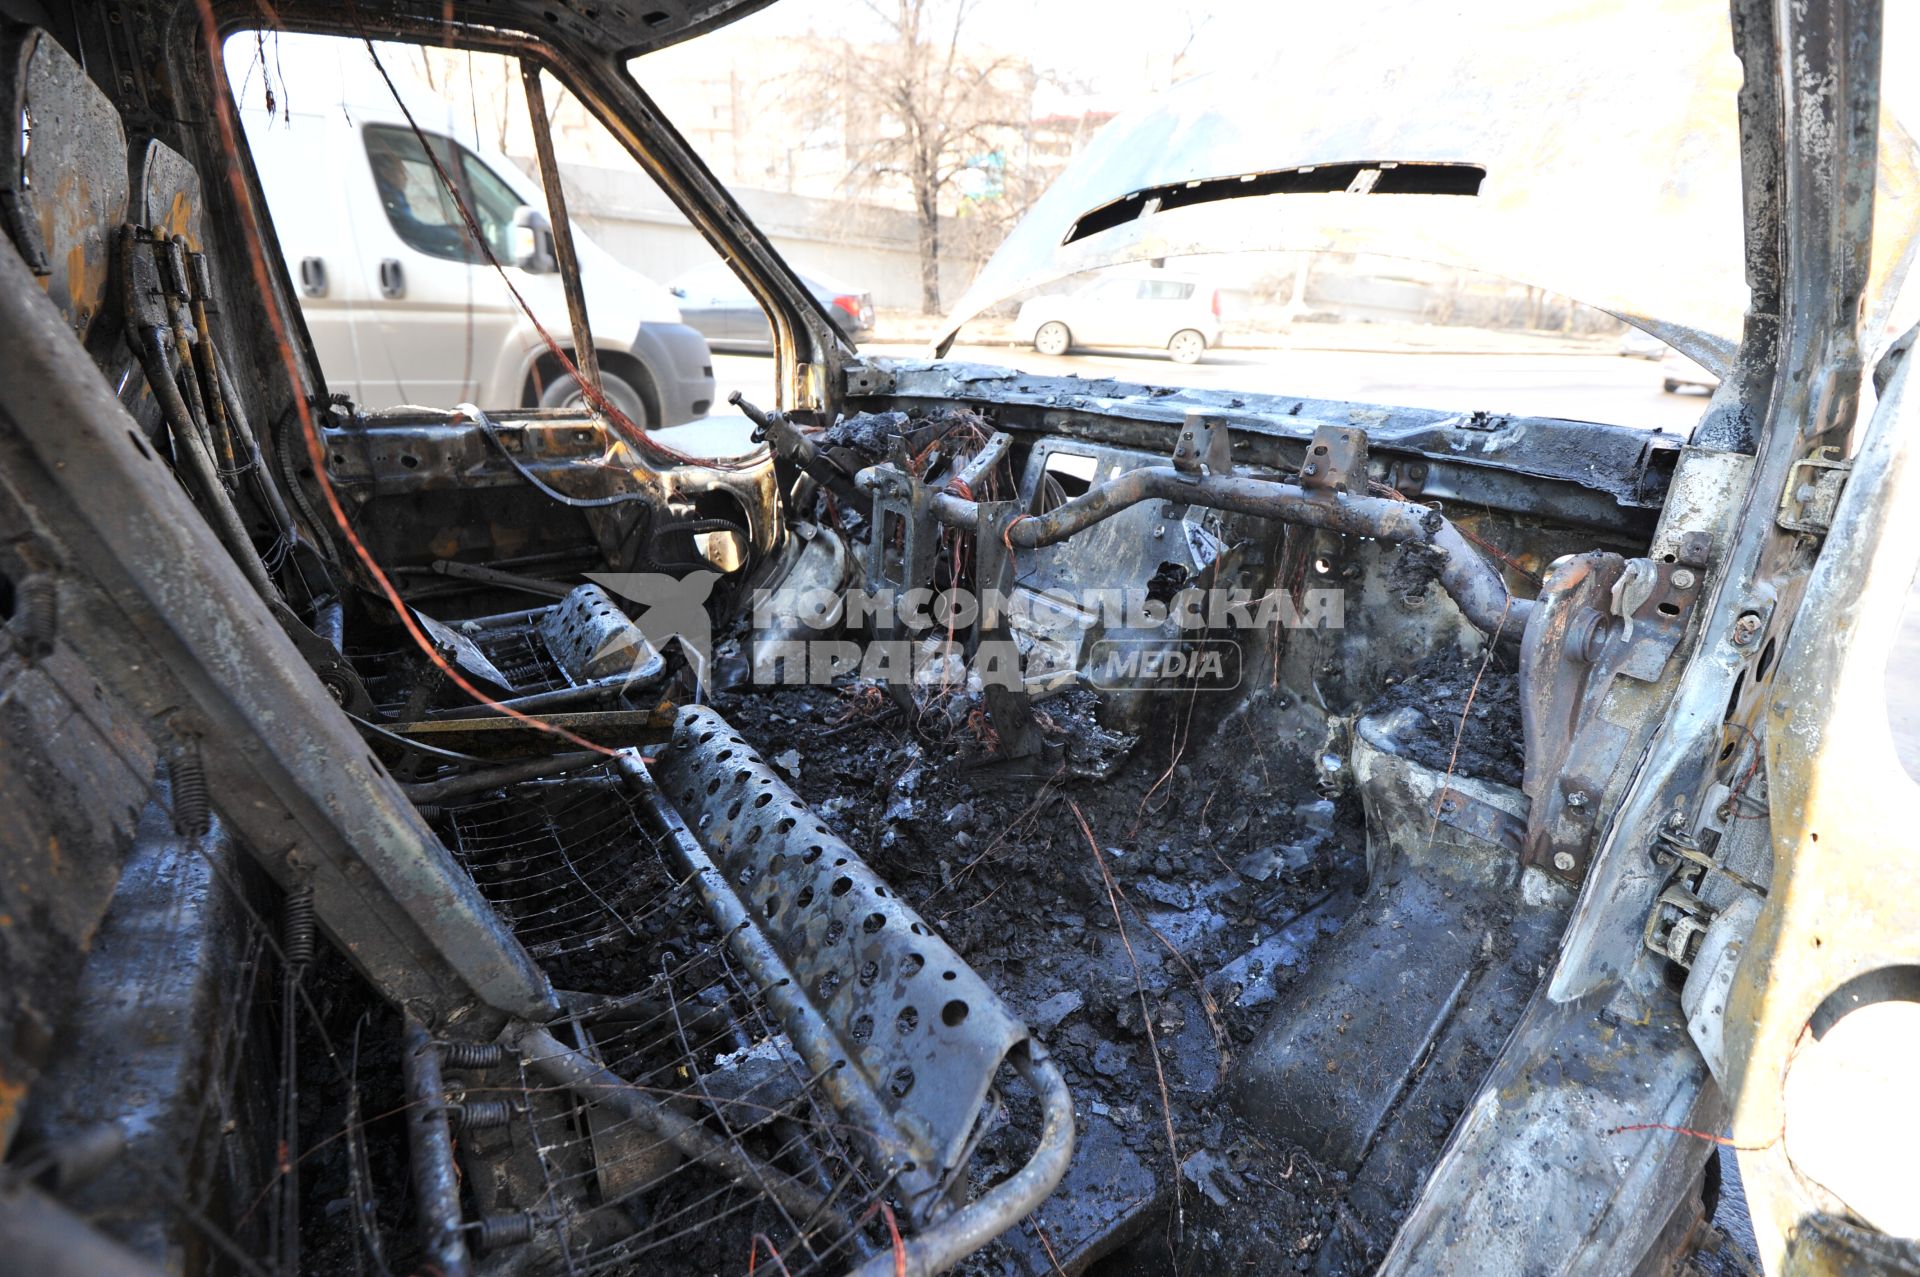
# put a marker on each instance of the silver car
(1179, 314)
(714, 301)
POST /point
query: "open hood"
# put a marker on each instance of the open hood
(1592, 150)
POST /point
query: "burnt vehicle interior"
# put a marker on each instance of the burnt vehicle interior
(400, 879)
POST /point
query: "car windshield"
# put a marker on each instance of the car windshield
(1133, 195)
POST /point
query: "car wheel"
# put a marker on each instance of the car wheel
(1053, 338)
(1671, 386)
(1187, 346)
(565, 392)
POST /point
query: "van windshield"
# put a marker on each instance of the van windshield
(415, 200)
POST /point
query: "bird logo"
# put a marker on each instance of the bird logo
(675, 607)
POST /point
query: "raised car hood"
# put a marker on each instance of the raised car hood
(1608, 136)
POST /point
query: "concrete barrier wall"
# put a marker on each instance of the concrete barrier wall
(857, 246)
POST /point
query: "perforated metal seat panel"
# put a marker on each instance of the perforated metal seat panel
(924, 1031)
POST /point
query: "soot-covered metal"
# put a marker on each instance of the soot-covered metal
(1006, 824)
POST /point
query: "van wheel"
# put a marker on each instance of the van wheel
(1187, 346)
(1053, 338)
(565, 392)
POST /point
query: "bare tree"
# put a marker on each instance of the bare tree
(1195, 25)
(922, 110)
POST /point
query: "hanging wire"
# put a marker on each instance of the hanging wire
(316, 449)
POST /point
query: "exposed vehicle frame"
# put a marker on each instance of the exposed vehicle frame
(1709, 608)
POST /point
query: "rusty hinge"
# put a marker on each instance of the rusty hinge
(865, 379)
(1676, 924)
(1813, 492)
(1204, 446)
(1336, 461)
(1680, 917)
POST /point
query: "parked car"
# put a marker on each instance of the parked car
(1677, 372)
(713, 300)
(1638, 343)
(1175, 313)
(401, 307)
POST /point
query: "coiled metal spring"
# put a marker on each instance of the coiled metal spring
(297, 926)
(495, 1232)
(36, 615)
(473, 1055)
(482, 1115)
(187, 777)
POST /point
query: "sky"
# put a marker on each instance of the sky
(1108, 44)
(1102, 43)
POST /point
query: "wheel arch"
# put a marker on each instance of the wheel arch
(545, 369)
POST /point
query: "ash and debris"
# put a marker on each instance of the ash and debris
(871, 434)
(1230, 867)
(1437, 690)
(1413, 568)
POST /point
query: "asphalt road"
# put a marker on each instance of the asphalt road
(1584, 387)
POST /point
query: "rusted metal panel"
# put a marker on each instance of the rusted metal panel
(74, 771)
(60, 197)
(1608, 478)
(165, 620)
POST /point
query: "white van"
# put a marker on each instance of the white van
(400, 308)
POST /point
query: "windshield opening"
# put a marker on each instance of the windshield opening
(936, 157)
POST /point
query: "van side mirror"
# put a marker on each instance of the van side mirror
(533, 241)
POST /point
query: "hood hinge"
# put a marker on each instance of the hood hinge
(1813, 492)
